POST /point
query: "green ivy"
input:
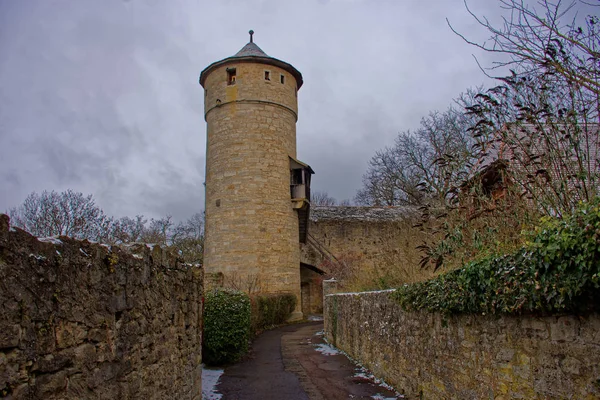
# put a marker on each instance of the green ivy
(558, 270)
(271, 309)
(226, 326)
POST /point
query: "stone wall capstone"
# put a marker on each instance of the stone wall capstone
(430, 356)
(81, 320)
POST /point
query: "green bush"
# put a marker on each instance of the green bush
(271, 309)
(226, 326)
(558, 270)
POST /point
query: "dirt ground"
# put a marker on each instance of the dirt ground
(293, 362)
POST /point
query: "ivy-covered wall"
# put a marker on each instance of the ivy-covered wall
(86, 321)
(462, 357)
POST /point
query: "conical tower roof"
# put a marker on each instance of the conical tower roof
(251, 50)
(252, 53)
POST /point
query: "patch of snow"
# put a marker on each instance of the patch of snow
(315, 318)
(139, 257)
(210, 380)
(83, 252)
(364, 373)
(12, 229)
(360, 293)
(358, 213)
(192, 265)
(320, 333)
(327, 349)
(51, 239)
(37, 257)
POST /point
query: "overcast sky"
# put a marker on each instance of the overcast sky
(103, 97)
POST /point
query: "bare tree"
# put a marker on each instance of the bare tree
(318, 198)
(159, 231)
(66, 213)
(72, 214)
(549, 39)
(543, 118)
(536, 133)
(423, 165)
(188, 239)
(128, 230)
(391, 178)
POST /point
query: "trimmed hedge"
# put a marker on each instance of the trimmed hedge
(558, 270)
(226, 326)
(271, 309)
(232, 317)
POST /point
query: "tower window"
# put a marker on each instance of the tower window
(282, 78)
(231, 76)
(267, 75)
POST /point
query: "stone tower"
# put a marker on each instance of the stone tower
(256, 190)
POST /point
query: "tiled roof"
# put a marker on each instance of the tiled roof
(533, 152)
(527, 138)
(251, 50)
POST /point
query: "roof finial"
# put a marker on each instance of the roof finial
(251, 32)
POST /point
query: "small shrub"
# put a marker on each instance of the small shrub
(226, 326)
(271, 309)
(558, 270)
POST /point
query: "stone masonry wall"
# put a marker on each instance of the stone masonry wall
(86, 321)
(365, 238)
(428, 356)
(252, 238)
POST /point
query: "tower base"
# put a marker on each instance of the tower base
(296, 316)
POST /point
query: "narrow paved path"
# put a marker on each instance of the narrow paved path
(294, 363)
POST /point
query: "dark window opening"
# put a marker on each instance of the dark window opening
(267, 75)
(297, 177)
(231, 76)
(282, 77)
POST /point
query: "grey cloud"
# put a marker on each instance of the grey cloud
(102, 97)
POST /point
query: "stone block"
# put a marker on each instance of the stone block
(53, 362)
(69, 334)
(50, 385)
(565, 329)
(570, 365)
(10, 335)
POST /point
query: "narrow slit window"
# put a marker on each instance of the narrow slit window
(231, 76)
(282, 78)
(267, 75)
